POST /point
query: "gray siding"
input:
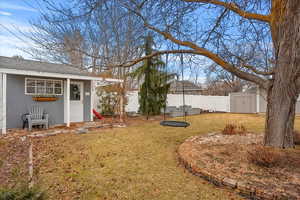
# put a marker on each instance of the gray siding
(87, 101)
(1, 101)
(18, 103)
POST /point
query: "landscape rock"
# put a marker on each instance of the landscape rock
(245, 189)
(119, 126)
(81, 131)
(229, 182)
(23, 138)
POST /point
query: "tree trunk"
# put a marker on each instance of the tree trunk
(280, 117)
(122, 106)
(283, 89)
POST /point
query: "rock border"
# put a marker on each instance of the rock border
(76, 130)
(243, 188)
(79, 130)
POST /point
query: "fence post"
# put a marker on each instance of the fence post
(257, 99)
(229, 95)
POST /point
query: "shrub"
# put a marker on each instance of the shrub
(264, 156)
(297, 137)
(108, 102)
(229, 129)
(232, 129)
(241, 129)
(22, 193)
(110, 97)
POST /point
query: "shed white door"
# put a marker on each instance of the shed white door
(76, 101)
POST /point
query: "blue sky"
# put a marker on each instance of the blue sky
(14, 17)
(15, 14)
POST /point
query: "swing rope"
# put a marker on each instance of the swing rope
(166, 77)
(176, 123)
(183, 91)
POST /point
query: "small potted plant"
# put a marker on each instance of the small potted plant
(44, 98)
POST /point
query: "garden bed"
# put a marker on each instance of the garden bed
(224, 161)
(13, 163)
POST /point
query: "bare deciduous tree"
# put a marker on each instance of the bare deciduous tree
(73, 46)
(105, 36)
(230, 23)
(214, 28)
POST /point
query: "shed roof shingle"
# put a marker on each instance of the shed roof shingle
(31, 65)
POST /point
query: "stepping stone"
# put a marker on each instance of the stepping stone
(230, 182)
(81, 131)
(119, 125)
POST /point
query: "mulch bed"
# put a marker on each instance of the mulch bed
(222, 159)
(13, 162)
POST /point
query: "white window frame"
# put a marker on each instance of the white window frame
(45, 80)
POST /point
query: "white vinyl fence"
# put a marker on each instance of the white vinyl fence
(132, 102)
(213, 103)
(235, 102)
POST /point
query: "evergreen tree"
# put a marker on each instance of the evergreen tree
(155, 86)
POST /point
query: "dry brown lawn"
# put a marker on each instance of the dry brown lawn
(137, 162)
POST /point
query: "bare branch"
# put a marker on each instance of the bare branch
(267, 73)
(233, 7)
(250, 67)
(214, 57)
(157, 53)
(217, 24)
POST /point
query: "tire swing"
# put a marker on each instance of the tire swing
(173, 123)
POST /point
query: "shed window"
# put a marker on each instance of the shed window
(43, 86)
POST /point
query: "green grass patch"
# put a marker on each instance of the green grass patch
(21, 193)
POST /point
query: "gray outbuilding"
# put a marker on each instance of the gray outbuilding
(65, 92)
